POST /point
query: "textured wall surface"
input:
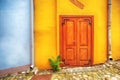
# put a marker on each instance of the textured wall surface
(97, 8)
(45, 32)
(14, 33)
(46, 27)
(115, 29)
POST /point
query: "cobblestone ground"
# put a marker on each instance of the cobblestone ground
(106, 71)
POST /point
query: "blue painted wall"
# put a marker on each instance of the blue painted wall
(14, 33)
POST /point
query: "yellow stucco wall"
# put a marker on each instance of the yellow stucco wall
(45, 33)
(115, 29)
(97, 8)
(47, 27)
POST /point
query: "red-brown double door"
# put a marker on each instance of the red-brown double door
(76, 40)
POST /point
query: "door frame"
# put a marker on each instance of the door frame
(60, 34)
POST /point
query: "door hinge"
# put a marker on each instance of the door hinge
(63, 61)
(89, 60)
(64, 20)
(89, 21)
(63, 24)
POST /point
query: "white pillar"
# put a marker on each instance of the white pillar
(109, 28)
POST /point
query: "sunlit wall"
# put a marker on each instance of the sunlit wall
(45, 32)
(115, 29)
(47, 16)
(97, 8)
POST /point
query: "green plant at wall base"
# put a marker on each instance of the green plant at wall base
(55, 63)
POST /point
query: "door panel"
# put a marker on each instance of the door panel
(84, 37)
(70, 56)
(69, 38)
(83, 33)
(76, 40)
(83, 54)
(70, 35)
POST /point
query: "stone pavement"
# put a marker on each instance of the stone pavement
(107, 71)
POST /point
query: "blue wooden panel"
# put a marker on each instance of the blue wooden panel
(14, 33)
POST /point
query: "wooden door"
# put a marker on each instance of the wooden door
(76, 36)
(84, 41)
(69, 41)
